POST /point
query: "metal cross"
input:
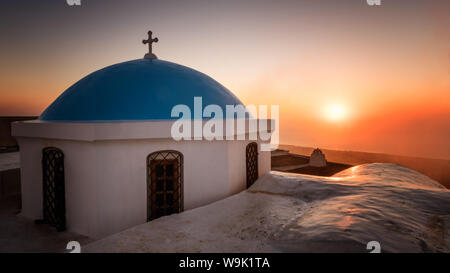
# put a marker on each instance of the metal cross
(150, 41)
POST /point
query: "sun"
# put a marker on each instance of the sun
(335, 112)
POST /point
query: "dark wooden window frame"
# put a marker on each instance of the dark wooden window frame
(164, 159)
(53, 188)
(251, 162)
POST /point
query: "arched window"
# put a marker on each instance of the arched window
(53, 189)
(251, 163)
(164, 184)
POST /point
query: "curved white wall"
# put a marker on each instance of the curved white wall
(106, 181)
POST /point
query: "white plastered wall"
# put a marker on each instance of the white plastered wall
(237, 164)
(106, 181)
(106, 172)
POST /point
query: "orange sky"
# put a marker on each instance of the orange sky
(387, 67)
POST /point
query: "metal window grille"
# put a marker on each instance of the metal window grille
(164, 184)
(252, 163)
(54, 204)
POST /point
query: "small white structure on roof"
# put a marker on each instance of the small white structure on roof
(317, 158)
(101, 157)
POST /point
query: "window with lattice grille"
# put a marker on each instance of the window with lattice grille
(164, 184)
(252, 163)
(54, 203)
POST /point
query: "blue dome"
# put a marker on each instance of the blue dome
(137, 90)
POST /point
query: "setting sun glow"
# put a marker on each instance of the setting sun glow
(345, 77)
(335, 112)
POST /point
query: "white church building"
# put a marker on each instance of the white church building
(101, 158)
(317, 158)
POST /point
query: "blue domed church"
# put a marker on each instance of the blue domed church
(103, 156)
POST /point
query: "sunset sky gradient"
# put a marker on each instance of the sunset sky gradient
(385, 67)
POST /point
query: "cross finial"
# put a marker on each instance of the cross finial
(150, 41)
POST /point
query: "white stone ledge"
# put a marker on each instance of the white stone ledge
(119, 130)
